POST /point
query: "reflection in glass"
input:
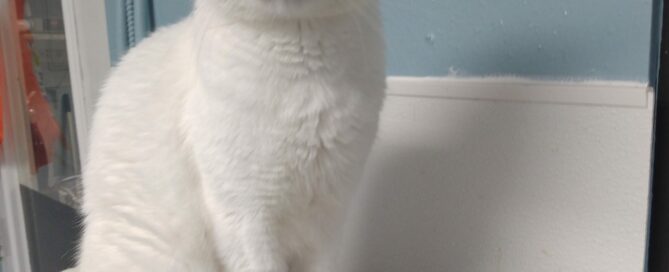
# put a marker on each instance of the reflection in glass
(48, 98)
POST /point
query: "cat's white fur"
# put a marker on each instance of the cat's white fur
(232, 140)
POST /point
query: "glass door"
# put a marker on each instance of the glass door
(39, 137)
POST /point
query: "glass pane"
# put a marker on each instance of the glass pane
(51, 193)
(48, 98)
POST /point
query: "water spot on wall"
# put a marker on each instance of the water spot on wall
(452, 71)
(566, 12)
(430, 38)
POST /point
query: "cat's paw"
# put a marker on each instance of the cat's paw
(268, 267)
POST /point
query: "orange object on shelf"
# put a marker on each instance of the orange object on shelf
(3, 91)
(44, 128)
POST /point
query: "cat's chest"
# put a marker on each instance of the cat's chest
(275, 123)
(239, 54)
(282, 98)
(286, 121)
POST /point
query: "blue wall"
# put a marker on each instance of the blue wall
(546, 39)
(170, 11)
(128, 22)
(604, 39)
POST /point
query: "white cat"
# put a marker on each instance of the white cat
(232, 140)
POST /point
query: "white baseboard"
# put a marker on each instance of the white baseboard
(597, 93)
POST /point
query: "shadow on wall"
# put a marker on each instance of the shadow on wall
(460, 185)
(437, 208)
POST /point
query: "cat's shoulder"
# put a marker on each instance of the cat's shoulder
(153, 56)
(145, 79)
(151, 65)
(156, 46)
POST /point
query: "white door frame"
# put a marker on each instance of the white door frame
(88, 57)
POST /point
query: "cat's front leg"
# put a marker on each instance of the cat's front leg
(243, 189)
(261, 248)
(245, 234)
